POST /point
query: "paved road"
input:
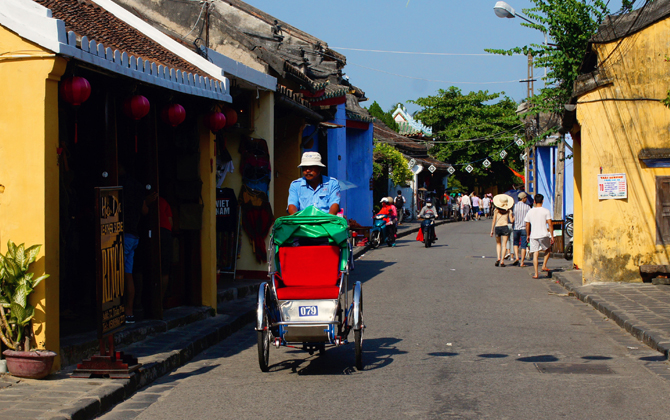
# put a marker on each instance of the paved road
(449, 336)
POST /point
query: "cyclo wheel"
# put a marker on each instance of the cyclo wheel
(358, 323)
(263, 338)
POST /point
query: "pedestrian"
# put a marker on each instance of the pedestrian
(486, 205)
(399, 202)
(519, 237)
(135, 205)
(502, 216)
(540, 232)
(475, 206)
(393, 211)
(465, 207)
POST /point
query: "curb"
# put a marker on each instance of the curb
(647, 337)
(159, 356)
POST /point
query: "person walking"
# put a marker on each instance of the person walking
(475, 206)
(486, 205)
(519, 237)
(540, 232)
(399, 203)
(502, 217)
(465, 207)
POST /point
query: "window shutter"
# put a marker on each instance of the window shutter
(663, 210)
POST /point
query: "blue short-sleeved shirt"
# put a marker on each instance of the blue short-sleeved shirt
(301, 195)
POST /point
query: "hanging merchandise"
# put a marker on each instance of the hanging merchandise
(136, 107)
(257, 219)
(75, 91)
(255, 164)
(173, 115)
(226, 228)
(214, 121)
(224, 165)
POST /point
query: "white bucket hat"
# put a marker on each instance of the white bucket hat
(311, 159)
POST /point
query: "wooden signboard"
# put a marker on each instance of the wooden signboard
(109, 260)
(110, 286)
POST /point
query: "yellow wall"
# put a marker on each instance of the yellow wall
(208, 233)
(620, 235)
(29, 170)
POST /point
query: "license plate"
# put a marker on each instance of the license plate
(308, 310)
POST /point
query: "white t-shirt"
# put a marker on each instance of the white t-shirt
(486, 202)
(538, 218)
(465, 201)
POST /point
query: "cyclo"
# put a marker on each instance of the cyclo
(305, 304)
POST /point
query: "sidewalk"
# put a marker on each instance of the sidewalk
(161, 346)
(642, 309)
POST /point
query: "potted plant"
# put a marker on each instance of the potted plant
(16, 332)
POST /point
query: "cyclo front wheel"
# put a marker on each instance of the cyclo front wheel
(263, 338)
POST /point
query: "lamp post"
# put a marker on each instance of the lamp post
(504, 10)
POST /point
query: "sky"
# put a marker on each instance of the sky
(460, 30)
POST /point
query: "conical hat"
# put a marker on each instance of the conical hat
(503, 201)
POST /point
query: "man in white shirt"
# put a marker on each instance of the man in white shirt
(465, 207)
(540, 232)
(486, 205)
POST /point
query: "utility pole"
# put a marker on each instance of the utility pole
(529, 163)
(560, 178)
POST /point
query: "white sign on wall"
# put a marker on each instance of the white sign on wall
(612, 186)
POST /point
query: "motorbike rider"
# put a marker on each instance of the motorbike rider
(388, 208)
(429, 212)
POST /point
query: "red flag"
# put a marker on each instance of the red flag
(518, 174)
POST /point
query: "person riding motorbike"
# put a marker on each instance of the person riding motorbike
(389, 209)
(427, 212)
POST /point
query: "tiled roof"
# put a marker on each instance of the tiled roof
(385, 134)
(355, 111)
(85, 18)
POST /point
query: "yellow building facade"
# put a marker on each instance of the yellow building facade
(30, 175)
(621, 116)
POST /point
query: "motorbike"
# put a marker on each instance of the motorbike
(428, 230)
(379, 232)
(569, 230)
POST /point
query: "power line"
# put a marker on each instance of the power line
(412, 52)
(432, 80)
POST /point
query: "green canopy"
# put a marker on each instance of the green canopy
(311, 223)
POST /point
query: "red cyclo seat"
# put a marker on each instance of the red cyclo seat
(308, 272)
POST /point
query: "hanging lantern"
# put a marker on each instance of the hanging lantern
(173, 115)
(215, 121)
(136, 107)
(231, 116)
(75, 91)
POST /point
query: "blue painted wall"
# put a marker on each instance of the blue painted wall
(544, 175)
(359, 172)
(337, 150)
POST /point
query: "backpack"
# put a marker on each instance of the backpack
(399, 201)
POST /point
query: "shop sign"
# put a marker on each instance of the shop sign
(612, 186)
(109, 260)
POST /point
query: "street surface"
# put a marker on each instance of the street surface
(449, 335)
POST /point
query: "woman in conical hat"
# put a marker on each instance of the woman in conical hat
(502, 217)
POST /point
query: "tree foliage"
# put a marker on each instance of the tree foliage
(387, 159)
(384, 116)
(569, 24)
(470, 128)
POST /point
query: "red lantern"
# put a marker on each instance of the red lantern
(215, 121)
(231, 116)
(75, 91)
(136, 107)
(173, 115)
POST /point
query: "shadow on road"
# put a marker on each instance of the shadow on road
(377, 353)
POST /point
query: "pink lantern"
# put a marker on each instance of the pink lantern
(136, 107)
(75, 91)
(215, 121)
(173, 115)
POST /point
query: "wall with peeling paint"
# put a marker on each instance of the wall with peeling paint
(614, 237)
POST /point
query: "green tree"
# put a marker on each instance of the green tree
(387, 159)
(471, 128)
(384, 116)
(569, 25)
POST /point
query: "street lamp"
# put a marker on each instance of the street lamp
(504, 10)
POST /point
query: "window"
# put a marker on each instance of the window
(663, 210)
